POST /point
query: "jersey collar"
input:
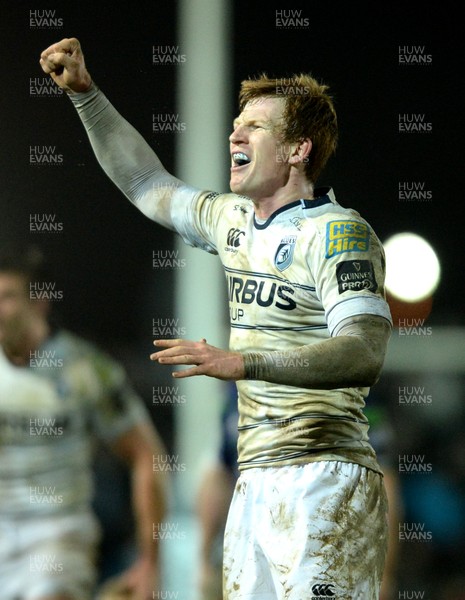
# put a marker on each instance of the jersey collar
(323, 195)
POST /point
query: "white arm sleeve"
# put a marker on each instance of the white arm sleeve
(128, 160)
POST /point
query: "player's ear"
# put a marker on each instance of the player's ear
(302, 150)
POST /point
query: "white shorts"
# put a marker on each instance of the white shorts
(314, 531)
(48, 555)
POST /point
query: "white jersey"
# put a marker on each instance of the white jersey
(291, 280)
(50, 413)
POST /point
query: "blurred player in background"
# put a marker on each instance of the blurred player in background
(58, 395)
(212, 503)
(383, 440)
(309, 331)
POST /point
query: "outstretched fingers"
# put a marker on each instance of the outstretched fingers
(208, 360)
(178, 352)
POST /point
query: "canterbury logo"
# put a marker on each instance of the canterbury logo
(234, 237)
(322, 590)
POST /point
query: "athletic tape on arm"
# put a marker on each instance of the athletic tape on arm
(351, 359)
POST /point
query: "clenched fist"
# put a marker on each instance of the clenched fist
(64, 62)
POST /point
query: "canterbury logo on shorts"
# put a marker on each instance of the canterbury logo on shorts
(323, 590)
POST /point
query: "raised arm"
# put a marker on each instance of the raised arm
(122, 152)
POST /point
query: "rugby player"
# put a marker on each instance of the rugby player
(59, 395)
(309, 331)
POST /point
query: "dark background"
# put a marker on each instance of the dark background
(103, 257)
(102, 260)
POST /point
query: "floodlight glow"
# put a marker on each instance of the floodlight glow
(412, 267)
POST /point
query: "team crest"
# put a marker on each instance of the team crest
(285, 252)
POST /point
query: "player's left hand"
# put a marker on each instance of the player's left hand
(208, 360)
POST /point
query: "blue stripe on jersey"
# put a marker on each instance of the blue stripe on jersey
(315, 203)
(265, 461)
(277, 458)
(281, 422)
(268, 276)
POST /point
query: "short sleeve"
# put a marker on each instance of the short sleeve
(196, 218)
(348, 265)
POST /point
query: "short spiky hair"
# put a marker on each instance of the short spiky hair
(308, 113)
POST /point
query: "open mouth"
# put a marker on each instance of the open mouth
(240, 159)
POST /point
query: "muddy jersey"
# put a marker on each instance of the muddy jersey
(291, 280)
(50, 413)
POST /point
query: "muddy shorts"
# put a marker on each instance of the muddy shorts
(306, 532)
